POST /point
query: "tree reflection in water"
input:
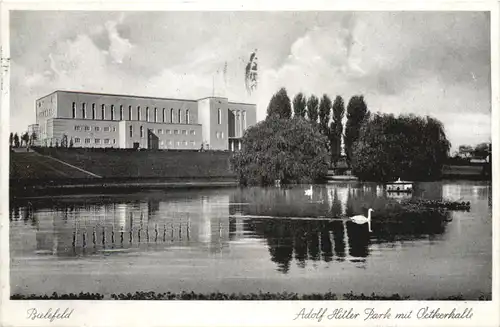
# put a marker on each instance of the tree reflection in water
(308, 240)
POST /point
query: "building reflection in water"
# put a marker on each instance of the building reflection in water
(92, 227)
(211, 221)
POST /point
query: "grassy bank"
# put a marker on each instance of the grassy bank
(234, 296)
(126, 163)
(61, 171)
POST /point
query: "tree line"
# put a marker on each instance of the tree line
(296, 145)
(327, 115)
(16, 141)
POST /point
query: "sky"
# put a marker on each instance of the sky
(426, 63)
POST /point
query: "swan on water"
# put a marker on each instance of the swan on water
(309, 192)
(360, 219)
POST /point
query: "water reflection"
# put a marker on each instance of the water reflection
(276, 238)
(78, 227)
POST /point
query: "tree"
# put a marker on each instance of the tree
(325, 107)
(11, 139)
(312, 108)
(33, 138)
(280, 105)
(25, 138)
(336, 129)
(406, 147)
(16, 140)
(299, 105)
(289, 150)
(64, 141)
(71, 143)
(482, 150)
(357, 113)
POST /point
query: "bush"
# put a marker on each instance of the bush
(289, 150)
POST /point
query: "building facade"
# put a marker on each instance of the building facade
(124, 121)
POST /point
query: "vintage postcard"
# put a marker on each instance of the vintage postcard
(224, 164)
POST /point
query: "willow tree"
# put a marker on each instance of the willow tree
(406, 147)
(290, 150)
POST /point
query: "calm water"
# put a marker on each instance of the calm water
(245, 240)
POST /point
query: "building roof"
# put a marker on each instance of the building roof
(139, 96)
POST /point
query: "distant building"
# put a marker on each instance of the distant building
(126, 121)
(34, 129)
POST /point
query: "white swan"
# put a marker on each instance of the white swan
(309, 192)
(360, 219)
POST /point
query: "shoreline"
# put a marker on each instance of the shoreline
(40, 189)
(25, 189)
(259, 295)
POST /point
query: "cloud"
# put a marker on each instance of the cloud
(119, 47)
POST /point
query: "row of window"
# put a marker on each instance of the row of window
(129, 114)
(46, 113)
(96, 128)
(113, 141)
(159, 131)
(96, 141)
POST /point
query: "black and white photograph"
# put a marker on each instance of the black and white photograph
(285, 155)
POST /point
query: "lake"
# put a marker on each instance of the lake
(251, 239)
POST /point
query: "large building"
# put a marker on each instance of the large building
(125, 121)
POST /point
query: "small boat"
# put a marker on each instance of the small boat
(399, 186)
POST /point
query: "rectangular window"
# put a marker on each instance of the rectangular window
(78, 128)
(129, 112)
(131, 130)
(221, 135)
(185, 142)
(176, 131)
(93, 110)
(97, 141)
(192, 132)
(97, 128)
(169, 142)
(184, 132)
(114, 141)
(167, 131)
(84, 111)
(114, 129)
(73, 109)
(103, 112)
(106, 129)
(77, 140)
(106, 141)
(87, 141)
(87, 128)
(121, 112)
(193, 143)
(112, 112)
(160, 131)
